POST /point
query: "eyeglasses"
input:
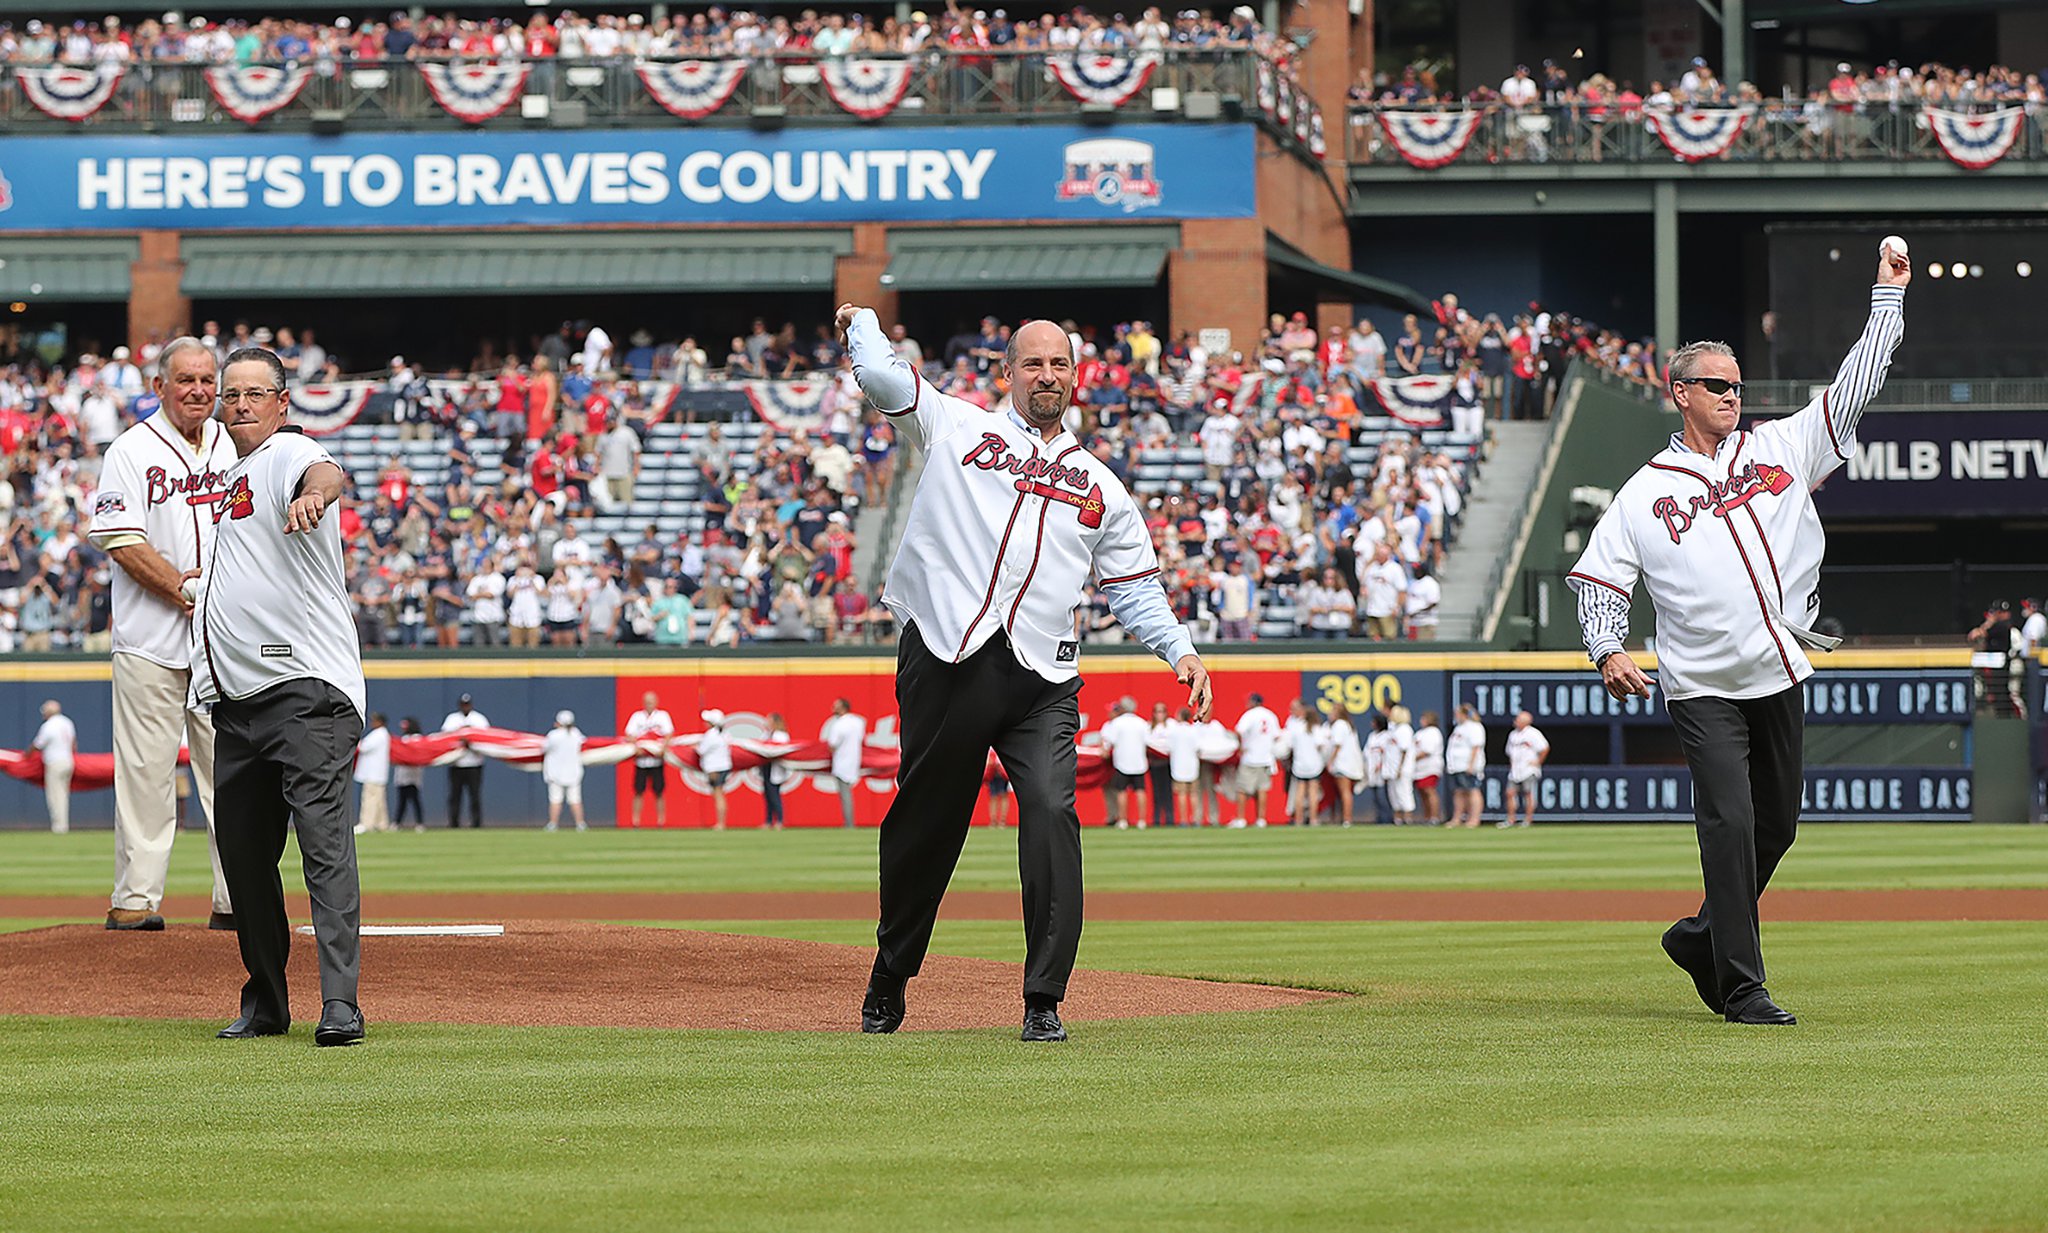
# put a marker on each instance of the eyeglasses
(1716, 386)
(229, 398)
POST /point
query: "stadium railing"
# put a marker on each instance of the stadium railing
(1776, 132)
(175, 98)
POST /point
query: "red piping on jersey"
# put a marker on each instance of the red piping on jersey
(1599, 581)
(1762, 605)
(1036, 548)
(1110, 582)
(1827, 417)
(1758, 523)
(916, 396)
(994, 573)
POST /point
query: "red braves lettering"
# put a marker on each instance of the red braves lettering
(1722, 497)
(198, 488)
(992, 453)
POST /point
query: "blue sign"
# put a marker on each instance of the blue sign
(1061, 173)
(1664, 794)
(1876, 696)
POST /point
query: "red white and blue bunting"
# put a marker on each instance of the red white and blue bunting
(1283, 107)
(691, 89)
(324, 409)
(1974, 142)
(473, 93)
(1430, 139)
(1700, 133)
(1094, 77)
(70, 93)
(251, 92)
(1269, 89)
(1318, 145)
(869, 89)
(1420, 402)
(1305, 117)
(794, 407)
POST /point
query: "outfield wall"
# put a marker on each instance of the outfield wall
(1889, 736)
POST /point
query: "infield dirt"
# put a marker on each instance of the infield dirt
(574, 974)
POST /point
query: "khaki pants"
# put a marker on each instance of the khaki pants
(57, 794)
(149, 717)
(1385, 627)
(620, 488)
(375, 815)
(525, 635)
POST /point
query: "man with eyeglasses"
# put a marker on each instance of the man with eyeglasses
(153, 514)
(1721, 529)
(278, 662)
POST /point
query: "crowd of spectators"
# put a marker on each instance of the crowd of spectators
(1892, 86)
(1284, 531)
(714, 31)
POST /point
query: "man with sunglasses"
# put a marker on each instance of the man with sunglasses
(1721, 529)
(277, 660)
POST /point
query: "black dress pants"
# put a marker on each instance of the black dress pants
(951, 716)
(281, 758)
(465, 779)
(1747, 762)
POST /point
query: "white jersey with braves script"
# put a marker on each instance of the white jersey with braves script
(154, 484)
(274, 607)
(1006, 528)
(1730, 547)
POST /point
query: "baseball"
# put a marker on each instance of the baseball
(1896, 245)
(190, 590)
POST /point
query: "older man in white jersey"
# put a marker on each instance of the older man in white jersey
(1721, 528)
(154, 515)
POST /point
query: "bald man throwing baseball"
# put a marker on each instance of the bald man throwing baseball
(1721, 528)
(1011, 518)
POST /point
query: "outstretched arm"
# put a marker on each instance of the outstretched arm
(1832, 418)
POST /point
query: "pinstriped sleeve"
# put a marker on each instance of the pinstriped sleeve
(1825, 430)
(1604, 579)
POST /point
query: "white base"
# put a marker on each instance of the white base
(423, 931)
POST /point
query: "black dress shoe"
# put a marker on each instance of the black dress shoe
(221, 922)
(1702, 974)
(1761, 1010)
(245, 1028)
(881, 1011)
(1042, 1021)
(340, 1024)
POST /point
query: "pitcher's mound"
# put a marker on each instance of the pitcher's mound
(571, 974)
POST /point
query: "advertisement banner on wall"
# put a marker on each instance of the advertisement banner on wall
(1053, 173)
(1872, 696)
(1958, 463)
(1832, 794)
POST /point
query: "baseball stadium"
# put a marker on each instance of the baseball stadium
(862, 616)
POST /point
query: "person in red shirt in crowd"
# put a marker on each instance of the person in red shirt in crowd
(14, 427)
(1523, 400)
(1331, 355)
(597, 409)
(836, 542)
(511, 408)
(547, 473)
(395, 482)
(543, 392)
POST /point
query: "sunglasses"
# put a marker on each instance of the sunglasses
(1713, 385)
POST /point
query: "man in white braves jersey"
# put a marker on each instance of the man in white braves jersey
(1721, 529)
(279, 663)
(1012, 517)
(153, 513)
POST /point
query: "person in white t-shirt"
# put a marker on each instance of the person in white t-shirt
(1425, 597)
(714, 761)
(1347, 761)
(1429, 769)
(1465, 767)
(1379, 753)
(1308, 746)
(57, 741)
(1124, 740)
(1527, 750)
(652, 725)
(1385, 584)
(845, 733)
(1183, 741)
(1401, 765)
(486, 595)
(1213, 784)
(373, 776)
(774, 774)
(1218, 436)
(1257, 731)
(561, 765)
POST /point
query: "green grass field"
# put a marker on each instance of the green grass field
(1485, 1076)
